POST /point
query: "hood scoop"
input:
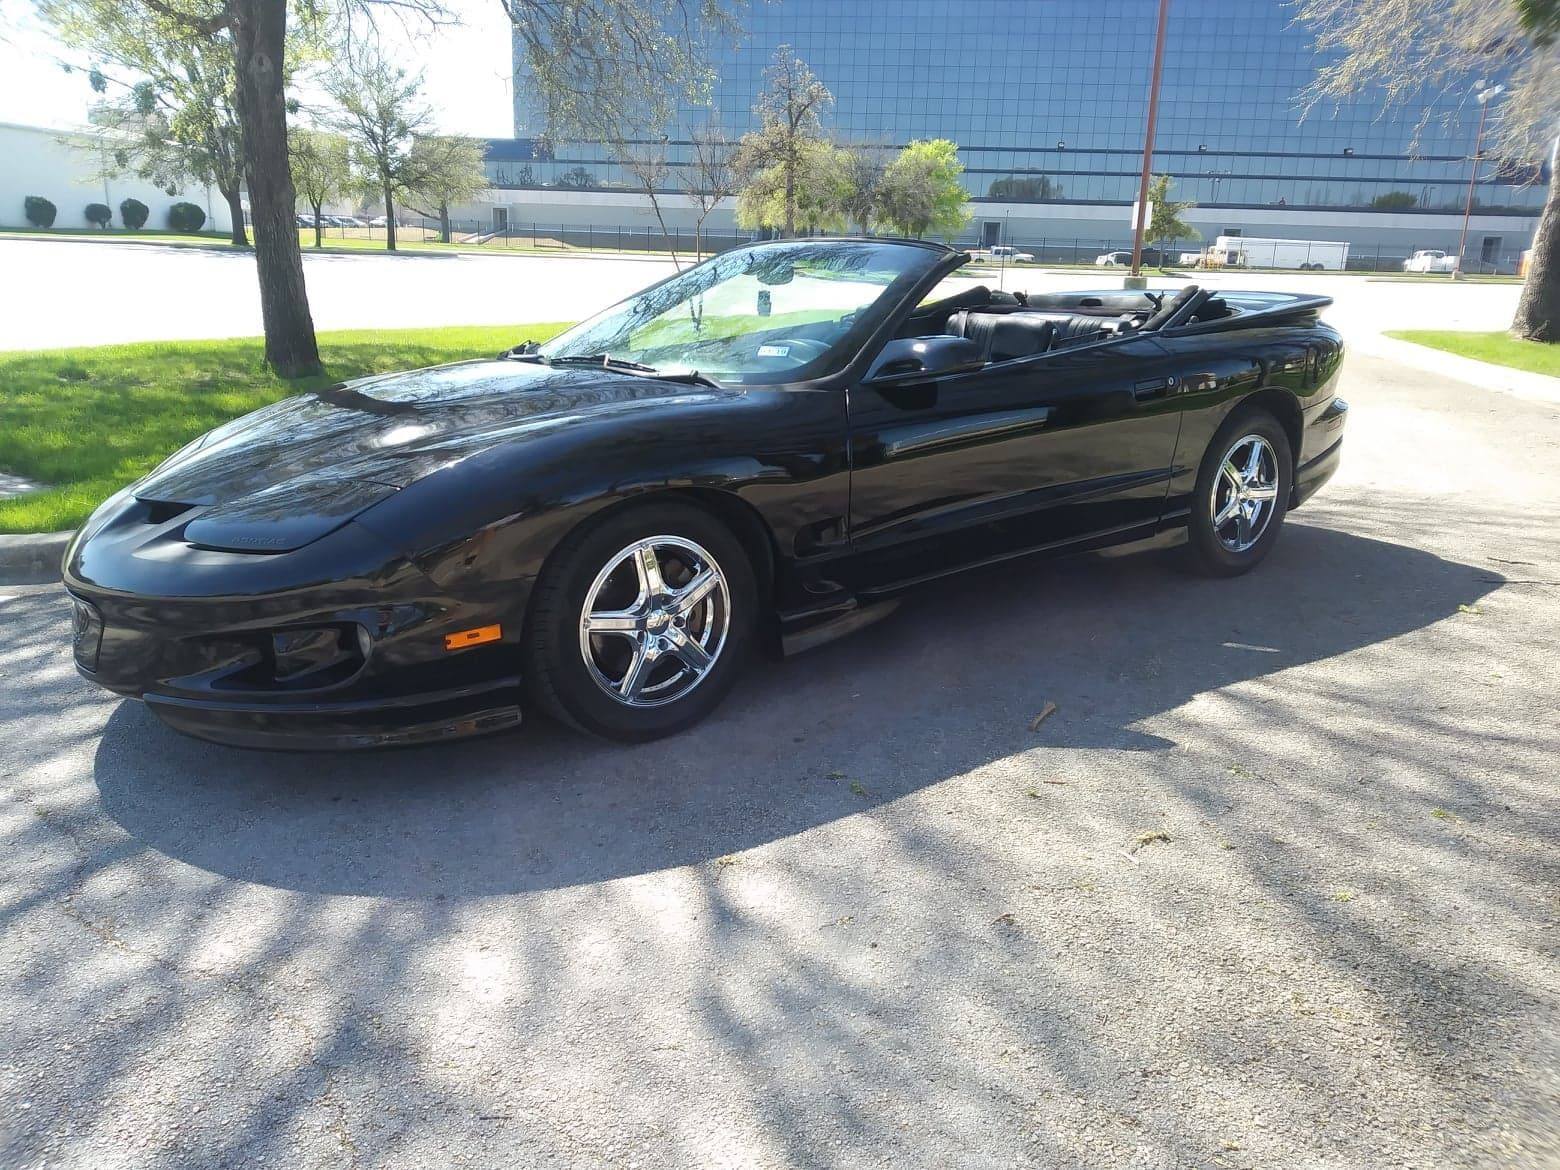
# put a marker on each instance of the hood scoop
(284, 517)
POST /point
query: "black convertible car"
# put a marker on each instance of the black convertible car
(755, 454)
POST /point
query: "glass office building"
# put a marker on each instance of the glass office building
(1046, 100)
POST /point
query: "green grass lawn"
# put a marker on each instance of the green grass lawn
(89, 421)
(1500, 348)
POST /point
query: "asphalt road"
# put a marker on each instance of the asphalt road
(59, 293)
(864, 916)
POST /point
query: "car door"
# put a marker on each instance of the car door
(1043, 451)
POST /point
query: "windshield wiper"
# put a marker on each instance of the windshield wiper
(605, 360)
(624, 366)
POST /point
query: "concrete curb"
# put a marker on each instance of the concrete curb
(33, 558)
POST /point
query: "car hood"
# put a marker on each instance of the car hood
(286, 475)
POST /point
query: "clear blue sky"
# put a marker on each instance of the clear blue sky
(467, 69)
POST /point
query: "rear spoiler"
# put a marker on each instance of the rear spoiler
(1257, 309)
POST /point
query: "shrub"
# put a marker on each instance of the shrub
(40, 212)
(98, 214)
(133, 213)
(186, 217)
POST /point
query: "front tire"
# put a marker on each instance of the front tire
(641, 623)
(1242, 494)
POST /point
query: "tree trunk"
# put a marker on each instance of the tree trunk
(389, 219)
(317, 228)
(259, 42)
(790, 199)
(1538, 312)
(444, 222)
(236, 214)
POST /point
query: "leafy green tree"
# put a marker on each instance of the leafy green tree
(921, 190)
(381, 112)
(787, 152)
(1394, 201)
(442, 170)
(591, 62)
(807, 192)
(167, 111)
(320, 169)
(1166, 223)
(1393, 52)
(864, 169)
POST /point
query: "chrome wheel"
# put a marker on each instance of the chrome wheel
(1245, 493)
(654, 621)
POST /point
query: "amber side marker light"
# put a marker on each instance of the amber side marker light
(475, 637)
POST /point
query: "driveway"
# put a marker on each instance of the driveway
(1275, 886)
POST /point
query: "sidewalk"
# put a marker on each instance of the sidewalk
(1485, 375)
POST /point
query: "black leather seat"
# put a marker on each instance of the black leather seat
(1002, 336)
(1005, 336)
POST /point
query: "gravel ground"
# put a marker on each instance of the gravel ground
(1275, 886)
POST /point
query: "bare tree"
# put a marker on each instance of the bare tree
(380, 111)
(616, 70)
(710, 178)
(647, 169)
(1398, 49)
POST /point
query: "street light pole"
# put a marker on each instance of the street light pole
(1484, 97)
(1148, 138)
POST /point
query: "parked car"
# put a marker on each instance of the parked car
(1010, 254)
(607, 527)
(1430, 260)
(1153, 257)
(379, 221)
(350, 221)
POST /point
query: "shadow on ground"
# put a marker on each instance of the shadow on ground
(946, 685)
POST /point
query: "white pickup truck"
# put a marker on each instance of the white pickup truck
(1430, 260)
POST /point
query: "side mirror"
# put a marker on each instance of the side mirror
(919, 359)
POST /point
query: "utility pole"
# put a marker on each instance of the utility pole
(1136, 280)
(1484, 96)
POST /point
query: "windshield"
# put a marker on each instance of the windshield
(763, 314)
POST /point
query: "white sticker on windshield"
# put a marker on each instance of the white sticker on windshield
(774, 351)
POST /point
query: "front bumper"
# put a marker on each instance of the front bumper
(345, 724)
(225, 648)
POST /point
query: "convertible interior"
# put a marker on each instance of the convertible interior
(1008, 326)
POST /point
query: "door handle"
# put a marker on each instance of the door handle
(1153, 388)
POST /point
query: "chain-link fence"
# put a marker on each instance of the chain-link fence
(1052, 251)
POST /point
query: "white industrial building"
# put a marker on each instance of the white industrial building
(66, 167)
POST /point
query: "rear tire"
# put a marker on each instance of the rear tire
(632, 652)
(1242, 495)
